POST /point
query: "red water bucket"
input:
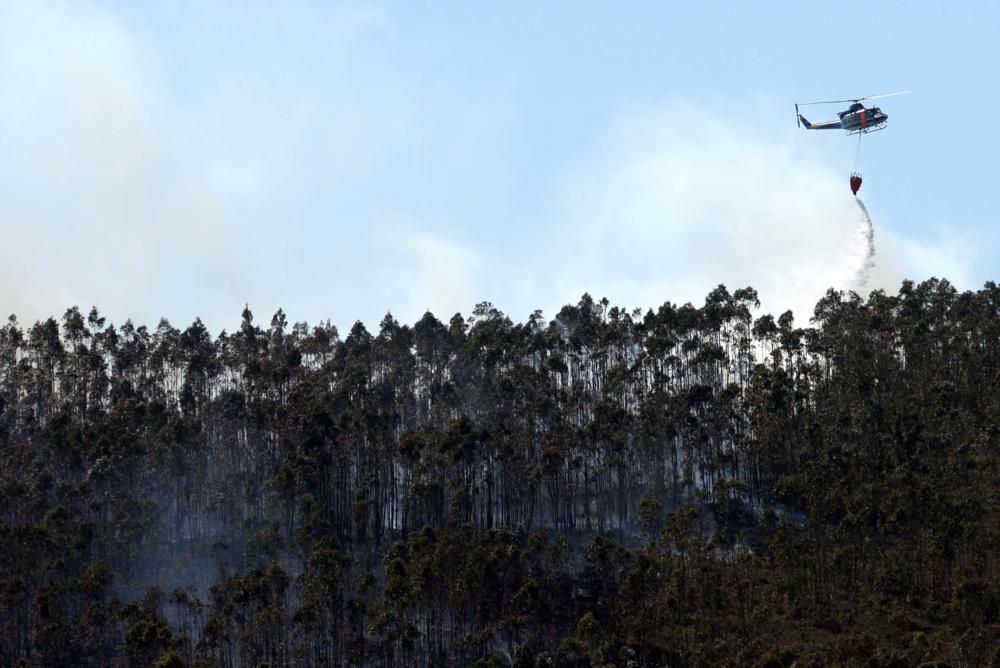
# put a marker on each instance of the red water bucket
(855, 183)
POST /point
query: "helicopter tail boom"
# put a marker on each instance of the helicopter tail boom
(831, 125)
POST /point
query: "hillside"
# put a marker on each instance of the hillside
(686, 486)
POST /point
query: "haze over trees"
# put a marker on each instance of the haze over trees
(686, 486)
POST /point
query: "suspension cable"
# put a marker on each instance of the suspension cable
(857, 153)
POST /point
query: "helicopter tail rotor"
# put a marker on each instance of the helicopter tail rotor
(797, 121)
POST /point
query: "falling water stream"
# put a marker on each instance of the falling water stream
(867, 252)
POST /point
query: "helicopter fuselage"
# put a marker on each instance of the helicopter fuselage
(862, 120)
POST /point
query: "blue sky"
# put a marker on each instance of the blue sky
(345, 159)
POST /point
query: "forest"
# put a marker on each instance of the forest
(684, 486)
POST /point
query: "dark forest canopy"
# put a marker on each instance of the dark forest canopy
(688, 486)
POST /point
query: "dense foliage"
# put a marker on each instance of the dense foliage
(688, 486)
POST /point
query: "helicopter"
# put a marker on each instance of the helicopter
(856, 119)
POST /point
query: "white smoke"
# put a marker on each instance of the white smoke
(866, 248)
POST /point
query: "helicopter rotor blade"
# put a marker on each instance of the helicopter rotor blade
(805, 104)
(856, 99)
(875, 97)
